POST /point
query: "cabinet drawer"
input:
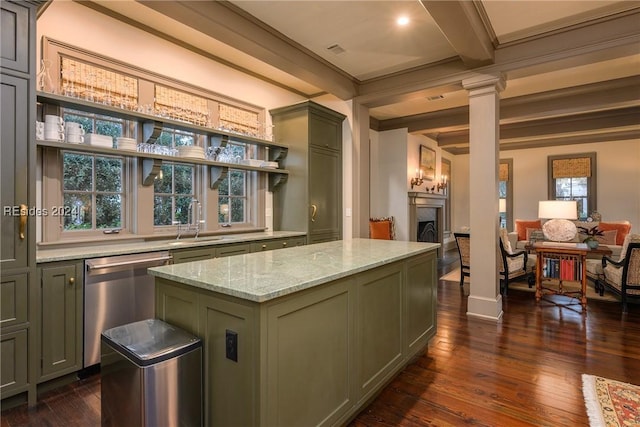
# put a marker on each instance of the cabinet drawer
(189, 255)
(230, 250)
(13, 363)
(13, 299)
(269, 245)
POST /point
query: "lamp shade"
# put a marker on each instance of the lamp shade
(502, 205)
(558, 209)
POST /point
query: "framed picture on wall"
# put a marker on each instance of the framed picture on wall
(428, 163)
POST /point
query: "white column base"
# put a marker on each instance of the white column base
(485, 308)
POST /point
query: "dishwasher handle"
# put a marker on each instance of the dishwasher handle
(92, 267)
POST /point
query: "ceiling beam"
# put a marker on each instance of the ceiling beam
(464, 28)
(608, 95)
(234, 27)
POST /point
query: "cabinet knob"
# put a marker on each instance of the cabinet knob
(72, 280)
(284, 243)
(264, 246)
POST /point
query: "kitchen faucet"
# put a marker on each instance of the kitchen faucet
(194, 222)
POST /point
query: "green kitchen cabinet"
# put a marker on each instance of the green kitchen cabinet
(18, 322)
(270, 245)
(233, 249)
(60, 339)
(188, 255)
(312, 199)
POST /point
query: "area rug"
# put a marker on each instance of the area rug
(454, 276)
(611, 403)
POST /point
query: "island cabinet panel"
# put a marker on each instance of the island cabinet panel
(13, 363)
(308, 357)
(421, 302)
(379, 327)
(13, 300)
(313, 356)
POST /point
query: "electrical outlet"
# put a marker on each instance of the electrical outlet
(231, 343)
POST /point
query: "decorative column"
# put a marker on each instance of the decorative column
(485, 300)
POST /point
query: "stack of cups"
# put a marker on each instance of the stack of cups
(53, 128)
(74, 132)
(39, 131)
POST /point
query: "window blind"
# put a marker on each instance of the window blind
(572, 167)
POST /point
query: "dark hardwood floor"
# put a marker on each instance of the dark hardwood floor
(522, 371)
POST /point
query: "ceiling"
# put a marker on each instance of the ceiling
(572, 68)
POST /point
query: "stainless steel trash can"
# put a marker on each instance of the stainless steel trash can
(155, 379)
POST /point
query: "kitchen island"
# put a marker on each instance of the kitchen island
(305, 335)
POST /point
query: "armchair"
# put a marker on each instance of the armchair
(623, 276)
(512, 265)
(463, 241)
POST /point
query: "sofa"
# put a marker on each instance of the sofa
(614, 233)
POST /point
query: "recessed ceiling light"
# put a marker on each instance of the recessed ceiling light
(402, 21)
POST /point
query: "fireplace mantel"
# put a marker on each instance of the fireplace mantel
(427, 200)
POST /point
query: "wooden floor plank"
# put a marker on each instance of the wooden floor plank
(524, 370)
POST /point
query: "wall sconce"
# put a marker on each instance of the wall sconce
(442, 185)
(417, 180)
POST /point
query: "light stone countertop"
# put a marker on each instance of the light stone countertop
(263, 276)
(114, 248)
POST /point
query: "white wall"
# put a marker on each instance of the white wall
(618, 181)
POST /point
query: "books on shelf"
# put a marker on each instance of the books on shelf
(562, 269)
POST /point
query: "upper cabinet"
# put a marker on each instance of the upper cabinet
(312, 201)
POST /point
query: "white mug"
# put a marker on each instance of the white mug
(72, 125)
(51, 118)
(54, 136)
(75, 138)
(53, 127)
(75, 131)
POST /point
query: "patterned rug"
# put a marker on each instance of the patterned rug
(611, 403)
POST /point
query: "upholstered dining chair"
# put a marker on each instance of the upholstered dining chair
(623, 276)
(463, 241)
(513, 264)
(382, 228)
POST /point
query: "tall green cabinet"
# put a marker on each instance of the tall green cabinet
(311, 201)
(17, 251)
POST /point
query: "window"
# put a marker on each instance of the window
(232, 191)
(92, 185)
(92, 192)
(174, 186)
(572, 177)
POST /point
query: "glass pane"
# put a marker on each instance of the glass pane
(223, 203)
(237, 210)
(502, 189)
(237, 183)
(85, 122)
(165, 138)
(77, 172)
(162, 210)
(110, 128)
(237, 150)
(223, 188)
(79, 205)
(579, 187)
(183, 179)
(183, 139)
(563, 188)
(108, 211)
(163, 185)
(182, 209)
(108, 174)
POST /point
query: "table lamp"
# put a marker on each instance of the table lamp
(558, 228)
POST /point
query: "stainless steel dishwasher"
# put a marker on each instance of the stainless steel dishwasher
(117, 291)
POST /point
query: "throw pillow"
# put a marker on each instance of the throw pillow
(522, 225)
(623, 229)
(608, 237)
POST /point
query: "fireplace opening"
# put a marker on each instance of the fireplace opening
(427, 232)
(427, 225)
